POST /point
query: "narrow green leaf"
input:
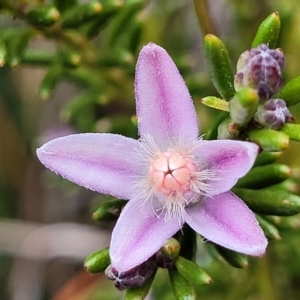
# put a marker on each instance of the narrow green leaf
(270, 202)
(292, 130)
(3, 51)
(264, 176)
(216, 103)
(16, 41)
(268, 31)
(219, 66)
(181, 287)
(270, 231)
(65, 4)
(50, 80)
(265, 158)
(109, 210)
(290, 92)
(235, 259)
(269, 140)
(191, 271)
(45, 15)
(98, 261)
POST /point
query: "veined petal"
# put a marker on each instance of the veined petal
(225, 220)
(227, 160)
(105, 163)
(164, 106)
(138, 234)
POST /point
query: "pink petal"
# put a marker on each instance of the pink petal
(105, 163)
(138, 234)
(228, 160)
(225, 220)
(164, 106)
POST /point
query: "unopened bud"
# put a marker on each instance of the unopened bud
(228, 130)
(135, 277)
(171, 248)
(260, 68)
(273, 114)
(243, 105)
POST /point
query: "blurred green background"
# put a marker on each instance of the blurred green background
(76, 75)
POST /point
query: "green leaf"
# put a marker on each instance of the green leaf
(219, 66)
(3, 51)
(270, 231)
(268, 31)
(215, 102)
(181, 287)
(98, 261)
(65, 4)
(292, 130)
(16, 41)
(235, 259)
(270, 202)
(108, 211)
(191, 271)
(264, 176)
(290, 92)
(50, 80)
(265, 158)
(45, 15)
(269, 140)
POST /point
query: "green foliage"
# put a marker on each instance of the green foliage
(268, 31)
(219, 66)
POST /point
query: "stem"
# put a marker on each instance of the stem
(264, 281)
(204, 18)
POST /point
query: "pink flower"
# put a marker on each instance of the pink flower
(169, 175)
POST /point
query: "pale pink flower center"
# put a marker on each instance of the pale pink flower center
(171, 173)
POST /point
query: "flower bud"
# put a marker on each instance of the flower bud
(228, 130)
(171, 248)
(135, 277)
(260, 68)
(164, 261)
(273, 114)
(243, 105)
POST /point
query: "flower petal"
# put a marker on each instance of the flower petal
(164, 106)
(105, 163)
(225, 220)
(138, 234)
(227, 160)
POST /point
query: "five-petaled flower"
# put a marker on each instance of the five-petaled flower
(169, 175)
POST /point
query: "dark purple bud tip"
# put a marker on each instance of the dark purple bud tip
(260, 69)
(135, 277)
(273, 114)
(164, 261)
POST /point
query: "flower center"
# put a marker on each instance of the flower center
(171, 173)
